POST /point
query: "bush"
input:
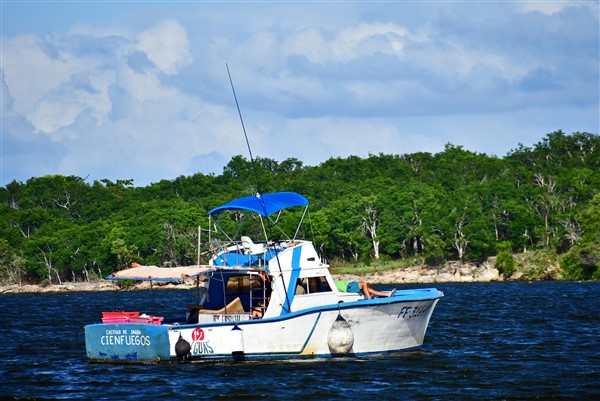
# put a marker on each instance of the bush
(581, 263)
(505, 263)
(504, 246)
(126, 284)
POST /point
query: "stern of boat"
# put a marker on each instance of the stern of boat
(122, 343)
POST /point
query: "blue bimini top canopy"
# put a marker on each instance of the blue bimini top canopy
(265, 204)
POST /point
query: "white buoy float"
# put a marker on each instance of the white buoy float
(237, 343)
(340, 338)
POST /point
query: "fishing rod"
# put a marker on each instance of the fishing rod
(287, 301)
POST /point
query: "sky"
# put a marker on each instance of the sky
(140, 90)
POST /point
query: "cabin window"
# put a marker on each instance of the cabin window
(316, 284)
(242, 284)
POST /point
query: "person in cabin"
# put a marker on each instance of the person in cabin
(362, 287)
(265, 284)
(258, 312)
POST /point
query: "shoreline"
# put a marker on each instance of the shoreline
(529, 267)
(419, 274)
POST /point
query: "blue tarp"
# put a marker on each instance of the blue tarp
(265, 204)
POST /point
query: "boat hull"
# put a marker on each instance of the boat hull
(377, 326)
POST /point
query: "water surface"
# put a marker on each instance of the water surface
(486, 341)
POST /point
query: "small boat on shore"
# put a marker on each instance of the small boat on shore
(268, 299)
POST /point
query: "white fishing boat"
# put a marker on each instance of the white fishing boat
(268, 298)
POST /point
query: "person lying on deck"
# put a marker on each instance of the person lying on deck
(364, 287)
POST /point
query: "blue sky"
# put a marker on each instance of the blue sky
(139, 89)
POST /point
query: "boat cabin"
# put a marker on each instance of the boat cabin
(263, 289)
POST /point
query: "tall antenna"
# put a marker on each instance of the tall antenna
(245, 134)
(287, 301)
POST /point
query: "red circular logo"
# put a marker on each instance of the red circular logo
(198, 334)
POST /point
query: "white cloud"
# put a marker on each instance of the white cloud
(551, 7)
(309, 43)
(52, 83)
(32, 72)
(166, 45)
(61, 107)
(350, 43)
(367, 39)
(148, 98)
(50, 115)
(140, 86)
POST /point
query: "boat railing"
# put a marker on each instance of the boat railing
(248, 253)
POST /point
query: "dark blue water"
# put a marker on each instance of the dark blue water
(488, 341)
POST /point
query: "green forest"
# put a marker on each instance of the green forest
(429, 208)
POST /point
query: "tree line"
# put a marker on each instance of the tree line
(452, 205)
